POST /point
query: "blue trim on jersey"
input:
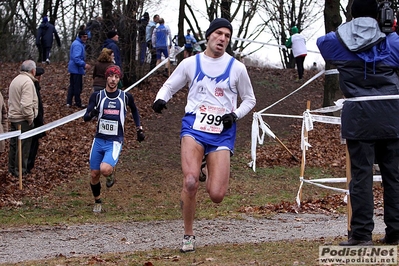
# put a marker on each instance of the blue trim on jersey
(199, 73)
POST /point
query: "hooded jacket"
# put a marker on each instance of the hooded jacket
(367, 61)
(45, 33)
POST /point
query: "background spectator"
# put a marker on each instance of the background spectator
(105, 59)
(142, 37)
(189, 44)
(160, 38)
(3, 121)
(148, 35)
(77, 68)
(44, 39)
(297, 43)
(22, 110)
(37, 122)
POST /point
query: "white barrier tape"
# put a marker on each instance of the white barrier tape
(10, 134)
(376, 178)
(52, 125)
(307, 117)
(163, 62)
(372, 98)
(287, 116)
(327, 119)
(339, 103)
(257, 122)
(329, 109)
(304, 140)
(317, 118)
(303, 85)
(324, 186)
(254, 139)
(298, 198)
(257, 118)
(331, 72)
(268, 44)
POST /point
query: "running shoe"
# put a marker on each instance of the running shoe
(110, 181)
(97, 208)
(188, 244)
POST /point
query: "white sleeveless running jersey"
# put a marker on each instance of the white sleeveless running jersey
(213, 84)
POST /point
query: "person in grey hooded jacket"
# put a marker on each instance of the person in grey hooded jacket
(367, 60)
(44, 39)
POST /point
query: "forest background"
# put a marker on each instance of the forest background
(263, 22)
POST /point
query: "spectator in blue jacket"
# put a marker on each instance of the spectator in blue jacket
(44, 39)
(189, 44)
(77, 68)
(149, 29)
(160, 38)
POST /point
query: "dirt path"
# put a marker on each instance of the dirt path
(34, 243)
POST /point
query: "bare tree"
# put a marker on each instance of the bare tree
(280, 16)
(332, 19)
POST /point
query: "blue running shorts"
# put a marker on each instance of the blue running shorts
(104, 151)
(211, 142)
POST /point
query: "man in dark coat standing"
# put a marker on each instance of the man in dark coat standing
(44, 39)
(367, 60)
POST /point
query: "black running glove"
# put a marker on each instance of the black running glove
(158, 106)
(228, 120)
(94, 112)
(140, 135)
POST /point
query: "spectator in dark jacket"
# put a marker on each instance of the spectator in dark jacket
(367, 60)
(111, 43)
(142, 37)
(44, 39)
(37, 122)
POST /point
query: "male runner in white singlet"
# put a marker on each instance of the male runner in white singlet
(208, 129)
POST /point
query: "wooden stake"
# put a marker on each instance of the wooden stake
(285, 147)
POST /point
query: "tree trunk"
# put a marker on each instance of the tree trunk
(225, 8)
(332, 20)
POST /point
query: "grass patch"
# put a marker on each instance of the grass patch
(144, 197)
(295, 252)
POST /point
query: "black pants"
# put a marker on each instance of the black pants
(75, 89)
(34, 147)
(299, 66)
(153, 53)
(362, 155)
(13, 153)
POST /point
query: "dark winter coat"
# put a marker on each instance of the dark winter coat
(111, 44)
(367, 61)
(99, 74)
(45, 34)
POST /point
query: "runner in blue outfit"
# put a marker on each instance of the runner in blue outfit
(110, 107)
